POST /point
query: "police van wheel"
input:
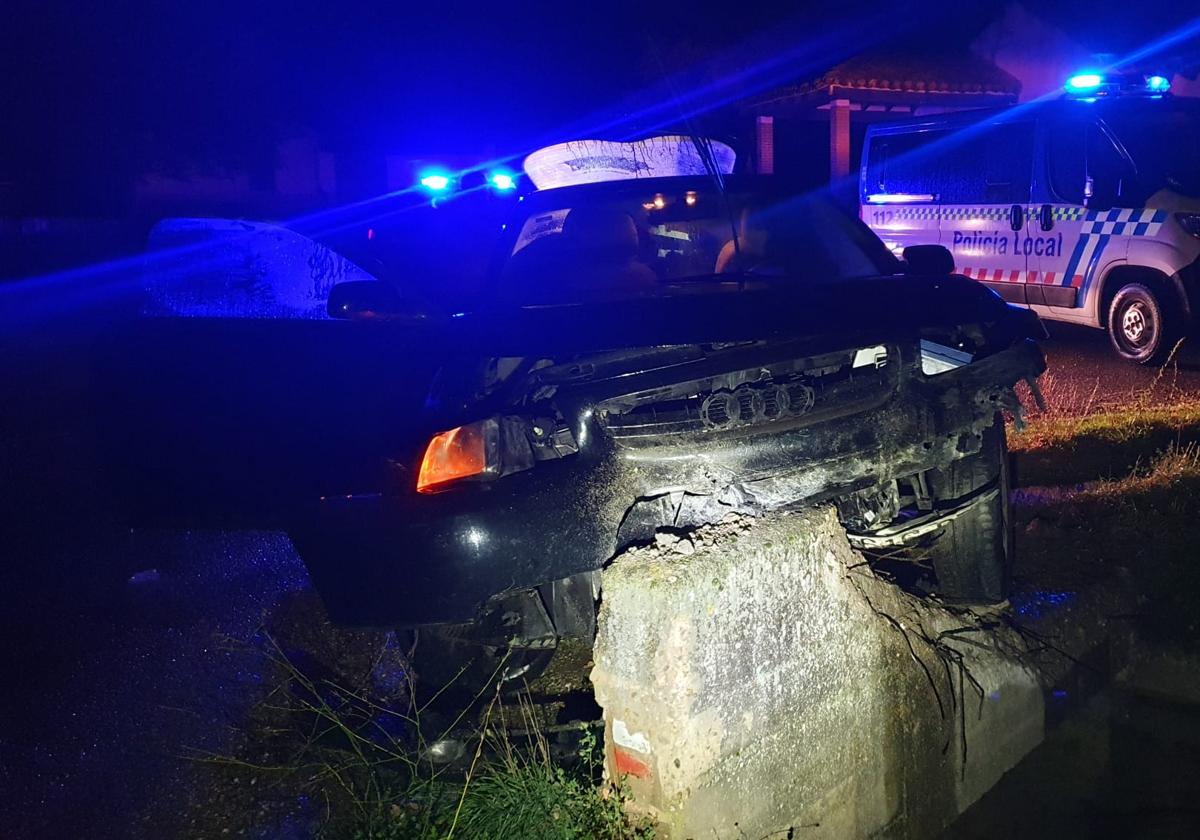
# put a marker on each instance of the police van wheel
(972, 555)
(1138, 326)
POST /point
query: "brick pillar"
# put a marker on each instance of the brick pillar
(839, 139)
(764, 130)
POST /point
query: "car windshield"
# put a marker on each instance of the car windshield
(1164, 143)
(578, 245)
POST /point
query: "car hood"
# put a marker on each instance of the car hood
(875, 307)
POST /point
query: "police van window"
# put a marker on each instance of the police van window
(1108, 170)
(988, 164)
(904, 164)
(1079, 152)
(1065, 151)
(1163, 139)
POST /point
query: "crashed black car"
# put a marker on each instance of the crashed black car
(655, 354)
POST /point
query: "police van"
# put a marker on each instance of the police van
(1085, 208)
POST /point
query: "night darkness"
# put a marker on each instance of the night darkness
(223, 440)
(94, 91)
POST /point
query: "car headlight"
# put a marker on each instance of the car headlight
(489, 449)
(938, 358)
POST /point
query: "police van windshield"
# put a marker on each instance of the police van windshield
(599, 245)
(1164, 142)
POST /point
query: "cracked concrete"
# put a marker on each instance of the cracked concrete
(767, 681)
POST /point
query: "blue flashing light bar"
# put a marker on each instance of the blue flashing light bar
(1090, 85)
(435, 182)
(1158, 84)
(1084, 82)
(503, 181)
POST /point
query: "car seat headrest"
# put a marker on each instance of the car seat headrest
(606, 233)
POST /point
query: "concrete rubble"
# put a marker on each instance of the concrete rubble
(757, 679)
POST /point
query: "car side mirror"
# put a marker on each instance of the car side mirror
(928, 259)
(369, 300)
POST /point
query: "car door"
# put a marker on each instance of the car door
(986, 192)
(900, 186)
(1077, 222)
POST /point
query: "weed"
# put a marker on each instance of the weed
(370, 767)
(524, 794)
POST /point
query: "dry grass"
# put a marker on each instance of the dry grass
(1072, 408)
(1084, 431)
(1170, 468)
(1115, 424)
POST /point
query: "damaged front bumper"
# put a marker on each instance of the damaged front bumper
(911, 531)
(410, 559)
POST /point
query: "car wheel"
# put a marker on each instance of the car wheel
(972, 554)
(1139, 327)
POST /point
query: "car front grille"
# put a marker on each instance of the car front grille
(768, 404)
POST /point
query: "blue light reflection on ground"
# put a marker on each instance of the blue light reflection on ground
(1033, 605)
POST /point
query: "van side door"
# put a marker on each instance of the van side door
(987, 176)
(899, 186)
(1077, 219)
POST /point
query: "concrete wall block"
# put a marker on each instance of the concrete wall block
(750, 685)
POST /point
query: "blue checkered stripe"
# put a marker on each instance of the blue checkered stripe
(1118, 222)
(1059, 214)
(997, 213)
(930, 212)
(925, 211)
(1123, 222)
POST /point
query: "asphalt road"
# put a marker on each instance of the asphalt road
(1082, 367)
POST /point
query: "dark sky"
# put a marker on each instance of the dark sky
(89, 87)
(396, 73)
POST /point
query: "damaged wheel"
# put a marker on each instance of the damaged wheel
(972, 553)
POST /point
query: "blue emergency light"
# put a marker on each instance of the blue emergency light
(437, 182)
(1084, 82)
(1158, 84)
(503, 181)
(1091, 85)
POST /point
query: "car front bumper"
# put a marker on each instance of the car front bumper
(411, 559)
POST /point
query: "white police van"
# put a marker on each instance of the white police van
(1085, 208)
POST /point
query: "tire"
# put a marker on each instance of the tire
(972, 555)
(1140, 328)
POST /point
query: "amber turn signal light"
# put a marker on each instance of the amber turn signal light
(462, 452)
